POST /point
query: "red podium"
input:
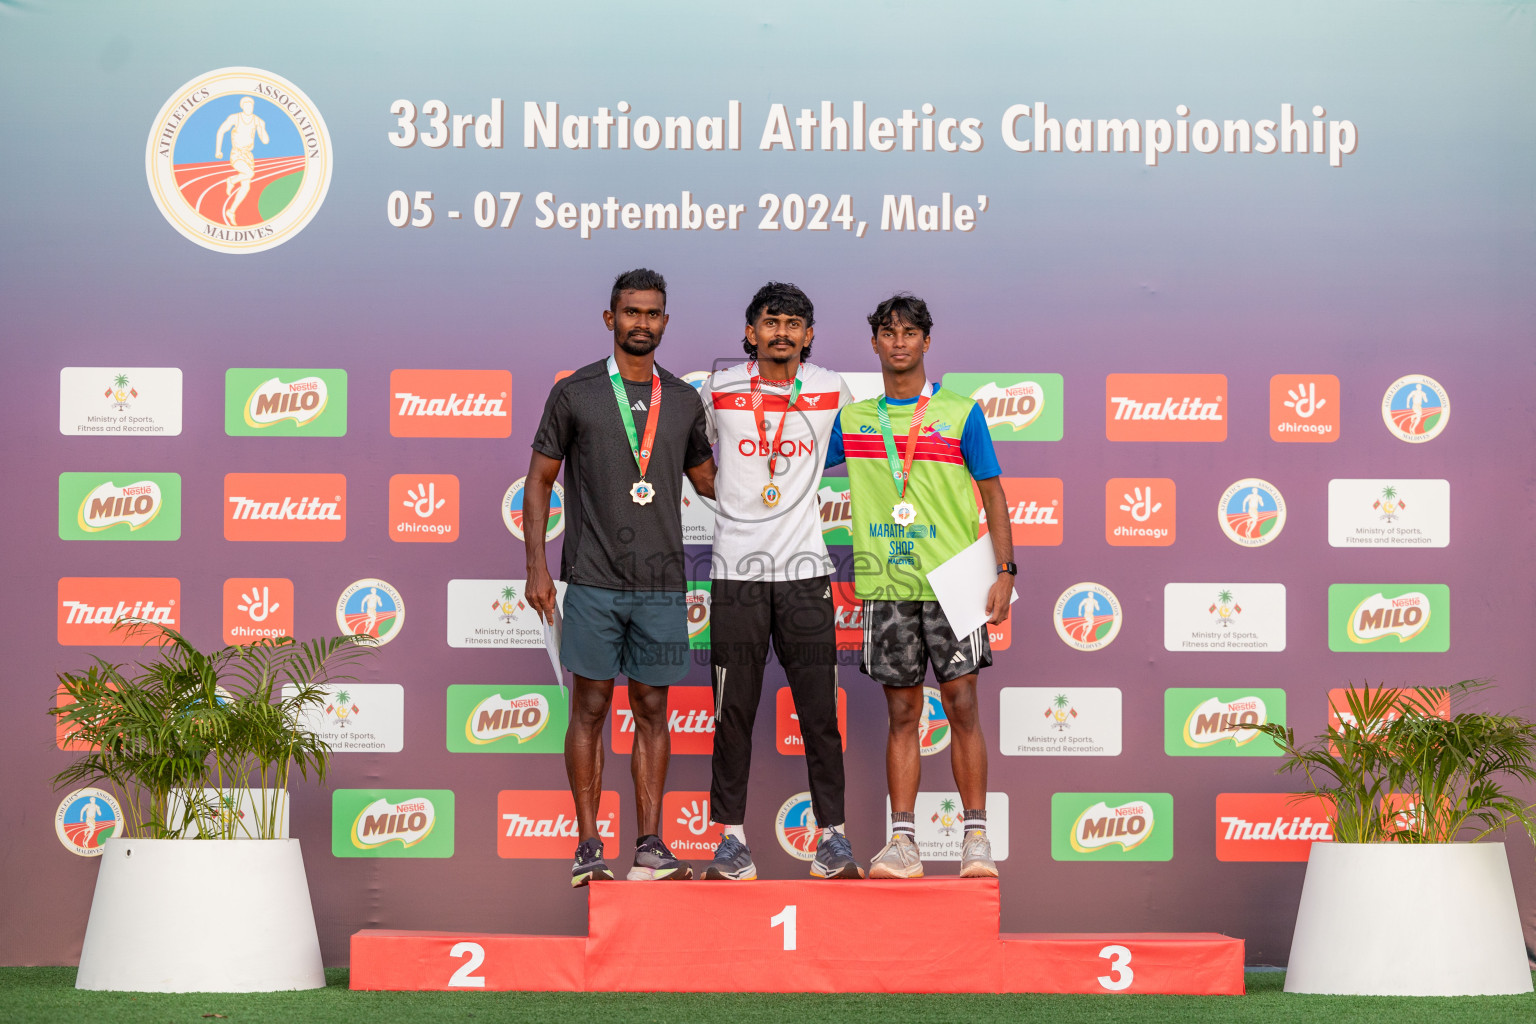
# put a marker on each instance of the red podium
(925, 935)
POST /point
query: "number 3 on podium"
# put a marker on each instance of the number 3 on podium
(1120, 974)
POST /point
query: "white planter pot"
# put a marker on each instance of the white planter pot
(201, 915)
(1391, 919)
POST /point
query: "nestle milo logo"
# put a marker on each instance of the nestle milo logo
(1389, 617)
(516, 719)
(1017, 406)
(1220, 723)
(119, 506)
(1111, 826)
(379, 823)
(297, 403)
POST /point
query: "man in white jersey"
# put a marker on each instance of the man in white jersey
(771, 417)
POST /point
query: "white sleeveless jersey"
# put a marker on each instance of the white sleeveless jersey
(755, 541)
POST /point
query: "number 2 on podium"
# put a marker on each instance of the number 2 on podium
(785, 917)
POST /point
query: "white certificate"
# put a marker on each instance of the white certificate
(961, 586)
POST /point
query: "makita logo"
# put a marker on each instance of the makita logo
(301, 401)
(450, 403)
(82, 613)
(1186, 408)
(107, 505)
(289, 509)
(678, 723)
(560, 826)
(453, 405)
(1165, 407)
(1271, 826)
(690, 720)
(541, 823)
(285, 506)
(1297, 828)
(1032, 513)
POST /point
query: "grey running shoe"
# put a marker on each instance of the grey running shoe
(732, 863)
(834, 858)
(590, 866)
(655, 863)
(976, 856)
(897, 859)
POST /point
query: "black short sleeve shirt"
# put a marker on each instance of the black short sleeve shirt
(610, 541)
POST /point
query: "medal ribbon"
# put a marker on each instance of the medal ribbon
(641, 449)
(901, 469)
(758, 421)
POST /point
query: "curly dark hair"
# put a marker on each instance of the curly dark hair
(905, 307)
(783, 299)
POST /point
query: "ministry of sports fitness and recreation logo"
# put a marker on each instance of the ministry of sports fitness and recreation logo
(85, 819)
(796, 828)
(238, 160)
(512, 510)
(1389, 513)
(1416, 408)
(371, 607)
(1081, 721)
(933, 729)
(1087, 616)
(119, 400)
(1251, 512)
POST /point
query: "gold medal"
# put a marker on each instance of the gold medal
(771, 495)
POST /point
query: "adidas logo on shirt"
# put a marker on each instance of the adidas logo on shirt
(958, 659)
(639, 406)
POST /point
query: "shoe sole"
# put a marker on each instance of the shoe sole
(846, 871)
(979, 871)
(597, 875)
(681, 873)
(881, 871)
(746, 874)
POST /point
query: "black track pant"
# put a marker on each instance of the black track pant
(799, 617)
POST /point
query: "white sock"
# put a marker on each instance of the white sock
(739, 831)
(833, 828)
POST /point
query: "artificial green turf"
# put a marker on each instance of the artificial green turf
(46, 995)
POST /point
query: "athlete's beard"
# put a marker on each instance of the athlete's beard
(775, 360)
(640, 343)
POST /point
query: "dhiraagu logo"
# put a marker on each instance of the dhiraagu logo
(506, 719)
(392, 823)
(285, 403)
(1018, 406)
(1220, 723)
(119, 506)
(1389, 618)
(1111, 826)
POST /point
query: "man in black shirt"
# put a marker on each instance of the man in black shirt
(627, 431)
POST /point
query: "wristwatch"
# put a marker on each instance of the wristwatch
(1011, 568)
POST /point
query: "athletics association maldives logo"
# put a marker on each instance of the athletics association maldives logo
(85, 819)
(373, 608)
(1087, 616)
(933, 731)
(1251, 512)
(238, 160)
(1416, 408)
(512, 510)
(796, 827)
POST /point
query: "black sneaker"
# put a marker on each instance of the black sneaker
(655, 863)
(834, 858)
(590, 866)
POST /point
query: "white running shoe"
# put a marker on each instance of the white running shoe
(897, 859)
(976, 856)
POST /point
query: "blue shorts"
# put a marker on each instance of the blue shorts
(642, 634)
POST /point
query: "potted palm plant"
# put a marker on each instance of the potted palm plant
(201, 890)
(1408, 900)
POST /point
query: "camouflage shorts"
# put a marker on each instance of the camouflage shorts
(899, 636)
